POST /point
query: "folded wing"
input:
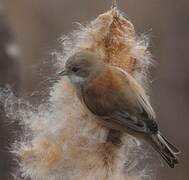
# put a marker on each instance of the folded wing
(116, 97)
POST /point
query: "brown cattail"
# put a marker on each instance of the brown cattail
(66, 141)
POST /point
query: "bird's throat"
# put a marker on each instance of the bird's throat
(77, 80)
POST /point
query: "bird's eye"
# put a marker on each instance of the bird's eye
(75, 69)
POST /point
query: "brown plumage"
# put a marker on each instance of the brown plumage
(115, 96)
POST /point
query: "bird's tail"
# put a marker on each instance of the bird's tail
(167, 150)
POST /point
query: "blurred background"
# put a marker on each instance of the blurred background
(29, 32)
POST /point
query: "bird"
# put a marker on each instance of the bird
(118, 100)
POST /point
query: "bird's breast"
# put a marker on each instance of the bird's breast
(105, 83)
(108, 93)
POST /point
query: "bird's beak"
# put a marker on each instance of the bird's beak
(63, 73)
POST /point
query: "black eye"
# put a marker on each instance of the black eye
(75, 69)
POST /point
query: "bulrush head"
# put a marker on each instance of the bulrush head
(82, 67)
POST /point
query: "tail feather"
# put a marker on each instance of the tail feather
(173, 148)
(166, 150)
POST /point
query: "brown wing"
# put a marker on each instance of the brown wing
(117, 98)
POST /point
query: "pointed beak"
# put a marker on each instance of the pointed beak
(63, 73)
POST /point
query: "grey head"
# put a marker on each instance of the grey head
(82, 66)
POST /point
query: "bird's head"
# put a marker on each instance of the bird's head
(82, 66)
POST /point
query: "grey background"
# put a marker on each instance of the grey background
(35, 26)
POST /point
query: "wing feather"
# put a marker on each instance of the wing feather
(140, 94)
(131, 109)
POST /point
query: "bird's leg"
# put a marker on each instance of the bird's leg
(114, 137)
